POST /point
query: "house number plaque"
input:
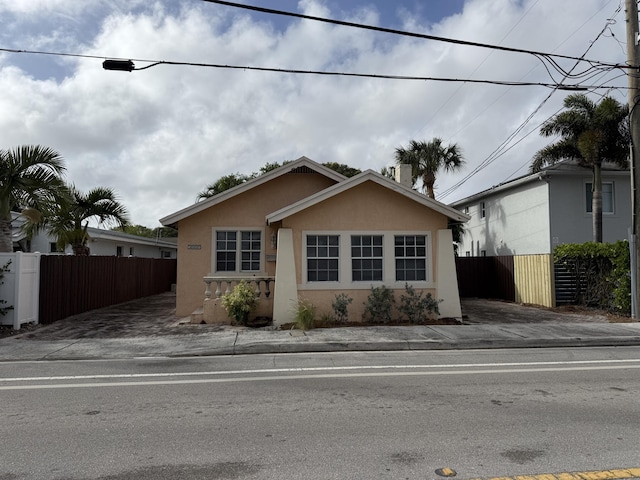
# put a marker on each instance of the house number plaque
(194, 247)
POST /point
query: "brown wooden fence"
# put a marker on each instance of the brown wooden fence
(70, 285)
(522, 279)
(486, 277)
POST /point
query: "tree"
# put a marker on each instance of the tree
(234, 179)
(590, 134)
(138, 230)
(30, 181)
(223, 183)
(343, 169)
(142, 231)
(70, 221)
(427, 159)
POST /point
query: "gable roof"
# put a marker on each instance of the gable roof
(566, 167)
(366, 176)
(302, 162)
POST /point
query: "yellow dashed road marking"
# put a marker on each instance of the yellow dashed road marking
(595, 475)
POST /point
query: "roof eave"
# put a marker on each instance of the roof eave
(173, 219)
(368, 175)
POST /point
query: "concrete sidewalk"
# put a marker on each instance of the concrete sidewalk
(243, 341)
(148, 328)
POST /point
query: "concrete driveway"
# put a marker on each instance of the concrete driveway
(481, 311)
(155, 316)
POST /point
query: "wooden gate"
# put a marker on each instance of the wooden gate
(486, 277)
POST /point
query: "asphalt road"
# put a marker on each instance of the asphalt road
(388, 415)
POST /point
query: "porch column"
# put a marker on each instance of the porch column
(286, 290)
(446, 277)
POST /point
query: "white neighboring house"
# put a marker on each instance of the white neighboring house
(101, 242)
(535, 213)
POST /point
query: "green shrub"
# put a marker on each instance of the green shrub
(340, 305)
(417, 307)
(240, 302)
(377, 308)
(305, 315)
(601, 272)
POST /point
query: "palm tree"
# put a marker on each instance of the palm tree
(590, 134)
(70, 221)
(427, 159)
(223, 183)
(30, 182)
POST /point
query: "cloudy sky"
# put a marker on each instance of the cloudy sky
(158, 136)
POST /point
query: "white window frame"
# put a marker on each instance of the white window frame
(345, 280)
(588, 186)
(328, 257)
(414, 257)
(372, 257)
(238, 272)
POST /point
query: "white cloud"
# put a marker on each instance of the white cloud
(158, 136)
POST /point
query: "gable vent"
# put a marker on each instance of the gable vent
(302, 169)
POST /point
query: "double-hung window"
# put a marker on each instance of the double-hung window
(366, 258)
(411, 257)
(323, 258)
(607, 197)
(238, 251)
(250, 247)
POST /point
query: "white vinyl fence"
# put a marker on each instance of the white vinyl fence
(20, 288)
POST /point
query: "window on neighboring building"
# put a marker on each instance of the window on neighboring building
(411, 257)
(607, 197)
(323, 255)
(483, 211)
(118, 251)
(230, 251)
(131, 251)
(483, 253)
(166, 254)
(467, 253)
(53, 247)
(366, 258)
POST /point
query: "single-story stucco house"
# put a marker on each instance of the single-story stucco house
(305, 231)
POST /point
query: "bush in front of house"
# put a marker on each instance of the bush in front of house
(340, 307)
(601, 272)
(417, 307)
(377, 308)
(240, 302)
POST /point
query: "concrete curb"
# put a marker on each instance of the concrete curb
(248, 342)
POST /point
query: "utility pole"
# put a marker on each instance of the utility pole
(633, 60)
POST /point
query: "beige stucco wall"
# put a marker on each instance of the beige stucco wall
(368, 207)
(247, 209)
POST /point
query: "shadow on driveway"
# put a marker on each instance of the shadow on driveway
(155, 315)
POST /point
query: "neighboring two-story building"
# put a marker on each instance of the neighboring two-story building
(535, 213)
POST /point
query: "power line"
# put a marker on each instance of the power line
(547, 56)
(153, 63)
(502, 148)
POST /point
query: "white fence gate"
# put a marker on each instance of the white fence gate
(20, 288)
